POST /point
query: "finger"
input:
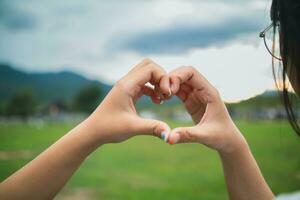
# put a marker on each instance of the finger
(149, 91)
(166, 97)
(151, 72)
(182, 95)
(183, 135)
(152, 127)
(142, 73)
(158, 92)
(141, 64)
(159, 78)
(164, 85)
(161, 93)
(186, 88)
(184, 92)
(188, 135)
(191, 77)
(175, 84)
(154, 74)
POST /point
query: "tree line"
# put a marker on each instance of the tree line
(25, 103)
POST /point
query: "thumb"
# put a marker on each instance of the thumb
(188, 134)
(152, 127)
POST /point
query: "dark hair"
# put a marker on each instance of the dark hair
(286, 14)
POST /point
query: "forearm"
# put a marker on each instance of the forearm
(243, 177)
(44, 176)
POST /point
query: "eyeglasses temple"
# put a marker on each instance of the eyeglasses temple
(262, 34)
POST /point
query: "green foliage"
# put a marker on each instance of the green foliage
(23, 104)
(2, 109)
(146, 168)
(87, 99)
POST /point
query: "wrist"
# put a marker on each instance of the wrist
(239, 151)
(81, 140)
(238, 148)
(237, 143)
(93, 128)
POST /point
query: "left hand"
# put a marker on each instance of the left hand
(116, 119)
(213, 124)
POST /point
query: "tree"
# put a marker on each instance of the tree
(23, 104)
(87, 99)
(2, 109)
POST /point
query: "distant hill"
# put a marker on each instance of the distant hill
(46, 86)
(64, 85)
(268, 99)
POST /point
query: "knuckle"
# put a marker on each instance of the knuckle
(154, 66)
(147, 61)
(151, 66)
(190, 71)
(216, 92)
(191, 68)
(156, 70)
(191, 136)
(152, 128)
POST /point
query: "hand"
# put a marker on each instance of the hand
(116, 119)
(213, 124)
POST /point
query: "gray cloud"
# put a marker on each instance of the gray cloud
(181, 38)
(15, 19)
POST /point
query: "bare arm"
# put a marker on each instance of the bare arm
(44, 176)
(243, 177)
(115, 120)
(215, 129)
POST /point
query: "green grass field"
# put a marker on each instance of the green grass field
(146, 168)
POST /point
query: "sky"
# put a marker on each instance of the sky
(103, 40)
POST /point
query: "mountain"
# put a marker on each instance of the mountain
(64, 85)
(46, 86)
(268, 99)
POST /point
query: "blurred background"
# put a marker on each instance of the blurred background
(58, 60)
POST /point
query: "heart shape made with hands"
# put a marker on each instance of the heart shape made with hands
(203, 102)
(200, 98)
(184, 86)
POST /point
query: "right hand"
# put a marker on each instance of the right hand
(116, 118)
(213, 124)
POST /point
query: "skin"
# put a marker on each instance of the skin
(215, 129)
(43, 177)
(115, 120)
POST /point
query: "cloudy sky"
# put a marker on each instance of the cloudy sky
(104, 39)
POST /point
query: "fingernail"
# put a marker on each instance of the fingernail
(170, 92)
(161, 102)
(174, 138)
(164, 136)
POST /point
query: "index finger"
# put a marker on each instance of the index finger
(191, 77)
(149, 71)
